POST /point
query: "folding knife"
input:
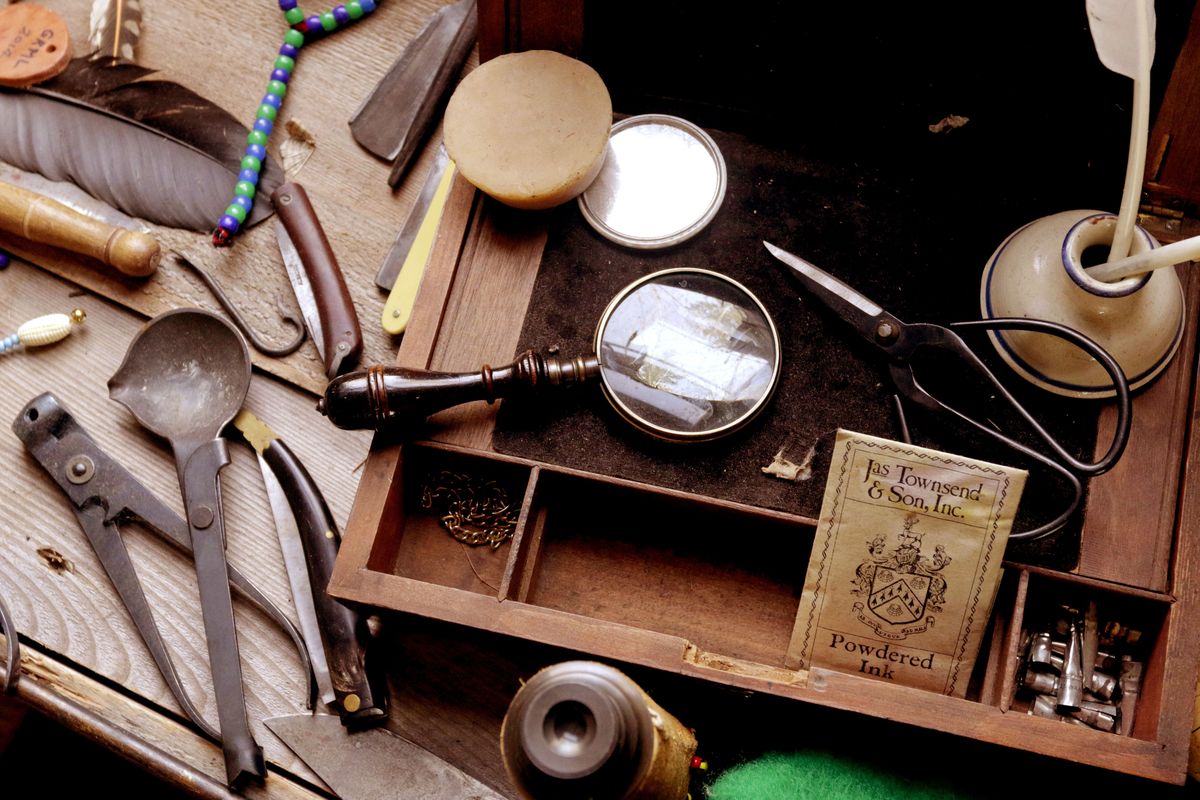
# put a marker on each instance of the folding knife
(317, 280)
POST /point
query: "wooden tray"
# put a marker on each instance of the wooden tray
(708, 588)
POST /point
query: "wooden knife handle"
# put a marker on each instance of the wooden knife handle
(339, 323)
(39, 219)
(343, 630)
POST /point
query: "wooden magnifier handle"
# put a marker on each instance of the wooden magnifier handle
(39, 219)
(383, 397)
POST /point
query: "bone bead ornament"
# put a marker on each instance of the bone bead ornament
(43, 330)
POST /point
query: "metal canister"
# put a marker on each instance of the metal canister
(581, 729)
(1041, 652)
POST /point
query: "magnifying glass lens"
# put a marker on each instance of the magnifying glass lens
(687, 354)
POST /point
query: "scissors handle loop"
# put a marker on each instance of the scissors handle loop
(1063, 463)
(1103, 358)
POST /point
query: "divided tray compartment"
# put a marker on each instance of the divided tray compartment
(726, 579)
(1142, 617)
(421, 548)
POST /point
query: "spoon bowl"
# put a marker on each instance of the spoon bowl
(185, 375)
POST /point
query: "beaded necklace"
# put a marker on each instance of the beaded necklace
(302, 31)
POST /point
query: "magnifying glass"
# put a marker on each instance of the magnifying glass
(682, 354)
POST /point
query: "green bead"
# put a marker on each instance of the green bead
(328, 21)
(285, 63)
(257, 137)
(267, 112)
(294, 38)
(277, 88)
(244, 189)
(354, 9)
(294, 17)
(237, 212)
(250, 162)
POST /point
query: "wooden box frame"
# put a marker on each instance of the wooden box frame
(1139, 551)
(469, 311)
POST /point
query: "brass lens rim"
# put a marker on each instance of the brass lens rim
(671, 434)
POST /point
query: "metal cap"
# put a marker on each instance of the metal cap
(577, 729)
(662, 182)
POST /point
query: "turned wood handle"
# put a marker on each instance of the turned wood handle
(39, 219)
(383, 397)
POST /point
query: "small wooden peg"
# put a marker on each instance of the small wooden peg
(34, 45)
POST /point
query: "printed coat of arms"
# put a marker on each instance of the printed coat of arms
(901, 586)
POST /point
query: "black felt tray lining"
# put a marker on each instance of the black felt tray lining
(907, 244)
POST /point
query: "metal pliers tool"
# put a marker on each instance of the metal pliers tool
(104, 496)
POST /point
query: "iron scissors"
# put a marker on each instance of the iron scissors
(900, 342)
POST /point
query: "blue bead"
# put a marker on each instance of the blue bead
(341, 15)
(245, 202)
(314, 25)
(265, 125)
(281, 75)
(257, 150)
(4, 259)
(248, 175)
(288, 50)
(287, 5)
(367, 5)
(272, 100)
(228, 223)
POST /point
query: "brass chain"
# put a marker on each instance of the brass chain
(475, 512)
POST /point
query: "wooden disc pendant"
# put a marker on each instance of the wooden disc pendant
(34, 44)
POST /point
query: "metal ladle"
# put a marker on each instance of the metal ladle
(184, 377)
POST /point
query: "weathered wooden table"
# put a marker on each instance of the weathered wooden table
(80, 641)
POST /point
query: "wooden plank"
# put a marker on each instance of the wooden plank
(1130, 542)
(1173, 151)
(483, 318)
(1181, 655)
(152, 741)
(1012, 648)
(1147, 759)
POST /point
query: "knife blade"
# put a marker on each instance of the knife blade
(317, 280)
(374, 764)
(302, 594)
(343, 632)
(394, 119)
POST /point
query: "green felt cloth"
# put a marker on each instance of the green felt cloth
(820, 776)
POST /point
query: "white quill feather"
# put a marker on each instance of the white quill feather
(1113, 24)
(1123, 32)
(115, 28)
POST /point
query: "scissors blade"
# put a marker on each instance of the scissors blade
(864, 314)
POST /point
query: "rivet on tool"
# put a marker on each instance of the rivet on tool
(80, 470)
(886, 332)
(202, 517)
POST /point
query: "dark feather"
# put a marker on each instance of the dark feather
(151, 148)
